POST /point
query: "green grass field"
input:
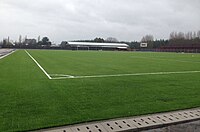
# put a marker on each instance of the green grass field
(29, 100)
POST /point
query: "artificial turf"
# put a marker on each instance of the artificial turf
(29, 100)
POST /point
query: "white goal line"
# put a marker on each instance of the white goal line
(62, 76)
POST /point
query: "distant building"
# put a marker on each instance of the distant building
(54, 46)
(143, 45)
(7, 42)
(94, 46)
(30, 42)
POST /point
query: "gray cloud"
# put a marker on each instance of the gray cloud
(86, 19)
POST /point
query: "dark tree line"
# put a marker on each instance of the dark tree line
(100, 40)
(184, 39)
(185, 36)
(27, 43)
(176, 39)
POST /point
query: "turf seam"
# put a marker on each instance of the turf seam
(184, 61)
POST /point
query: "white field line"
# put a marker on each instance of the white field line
(166, 59)
(7, 54)
(121, 75)
(39, 65)
(61, 75)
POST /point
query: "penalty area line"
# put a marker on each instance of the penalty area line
(38, 65)
(121, 75)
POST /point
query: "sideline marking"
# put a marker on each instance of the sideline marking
(7, 54)
(39, 65)
(120, 75)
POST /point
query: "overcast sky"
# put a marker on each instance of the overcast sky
(86, 19)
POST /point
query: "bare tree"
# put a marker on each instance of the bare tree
(172, 36)
(147, 38)
(180, 35)
(194, 35)
(187, 36)
(198, 34)
(20, 39)
(111, 39)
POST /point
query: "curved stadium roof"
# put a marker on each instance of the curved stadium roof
(113, 45)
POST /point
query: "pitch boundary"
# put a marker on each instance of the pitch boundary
(38, 65)
(65, 76)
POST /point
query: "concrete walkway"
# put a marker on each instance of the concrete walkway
(6, 52)
(193, 126)
(140, 123)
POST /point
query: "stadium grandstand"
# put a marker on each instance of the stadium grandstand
(94, 46)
